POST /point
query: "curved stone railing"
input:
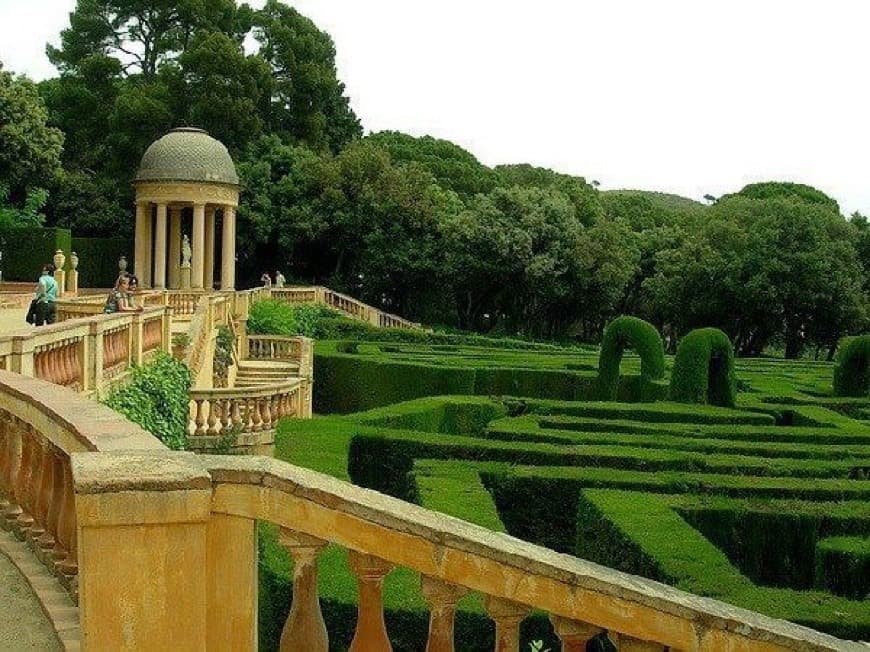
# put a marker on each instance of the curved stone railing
(181, 518)
(39, 429)
(88, 353)
(343, 303)
(248, 413)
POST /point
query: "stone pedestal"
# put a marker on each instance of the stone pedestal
(184, 273)
(60, 277)
(72, 282)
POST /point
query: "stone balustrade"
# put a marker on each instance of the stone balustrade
(341, 302)
(275, 347)
(39, 429)
(90, 353)
(250, 414)
(190, 522)
(153, 541)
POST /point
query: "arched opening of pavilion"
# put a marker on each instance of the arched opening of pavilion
(187, 191)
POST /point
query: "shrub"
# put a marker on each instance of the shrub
(272, 317)
(704, 369)
(843, 566)
(157, 399)
(634, 333)
(223, 353)
(852, 367)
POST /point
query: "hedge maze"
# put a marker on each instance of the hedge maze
(764, 503)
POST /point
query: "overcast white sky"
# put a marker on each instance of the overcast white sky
(679, 96)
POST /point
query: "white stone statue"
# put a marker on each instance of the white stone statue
(185, 251)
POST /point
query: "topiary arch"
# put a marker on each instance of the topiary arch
(629, 333)
(852, 367)
(704, 369)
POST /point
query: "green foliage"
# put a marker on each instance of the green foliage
(704, 369)
(852, 367)
(780, 189)
(98, 267)
(156, 397)
(12, 217)
(29, 148)
(272, 317)
(637, 334)
(842, 566)
(25, 263)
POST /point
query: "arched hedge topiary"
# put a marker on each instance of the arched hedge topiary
(704, 369)
(852, 367)
(629, 333)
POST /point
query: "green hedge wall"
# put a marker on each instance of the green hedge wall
(704, 369)
(843, 566)
(26, 250)
(852, 367)
(345, 382)
(98, 260)
(637, 334)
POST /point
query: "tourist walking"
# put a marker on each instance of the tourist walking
(45, 298)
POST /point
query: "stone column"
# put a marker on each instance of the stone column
(174, 247)
(228, 249)
(198, 247)
(143, 214)
(148, 281)
(160, 247)
(208, 278)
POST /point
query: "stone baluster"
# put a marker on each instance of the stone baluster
(213, 410)
(442, 599)
(24, 495)
(49, 540)
(256, 415)
(7, 451)
(236, 417)
(67, 553)
(371, 632)
(41, 487)
(199, 419)
(507, 616)
(12, 469)
(266, 411)
(304, 630)
(624, 643)
(574, 634)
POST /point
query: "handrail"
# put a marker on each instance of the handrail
(342, 302)
(230, 494)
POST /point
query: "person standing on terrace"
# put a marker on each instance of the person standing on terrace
(46, 296)
(119, 298)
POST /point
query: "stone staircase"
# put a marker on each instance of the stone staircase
(257, 373)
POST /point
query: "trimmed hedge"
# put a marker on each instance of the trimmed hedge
(852, 367)
(842, 566)
(704, 369)
(25, 250)
(634, 333)
(98, 266)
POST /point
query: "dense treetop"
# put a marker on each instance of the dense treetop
(417, 225)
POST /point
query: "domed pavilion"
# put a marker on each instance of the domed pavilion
(186, 181)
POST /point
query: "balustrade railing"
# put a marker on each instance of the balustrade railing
(273, 347)
(88, 353)
(341, 302)
(224, 497)
(243, 411)
(39, 429)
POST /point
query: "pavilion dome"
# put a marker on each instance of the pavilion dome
(187, 154)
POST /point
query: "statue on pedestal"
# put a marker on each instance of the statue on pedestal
(185, 251)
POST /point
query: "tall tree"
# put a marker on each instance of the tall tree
(305, 100)
(29, 148)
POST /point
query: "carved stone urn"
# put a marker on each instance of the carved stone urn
(74, 261)
(122, 264)
(59, 259)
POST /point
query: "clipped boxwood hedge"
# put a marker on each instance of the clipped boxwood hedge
(637, 334)
(842, 566)
(24, 263)
(704, 369)
(852, 367)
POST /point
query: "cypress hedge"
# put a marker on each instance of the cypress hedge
(637, 334)
(852, 367)
(24, 263)
(704, 369)
(98, 266)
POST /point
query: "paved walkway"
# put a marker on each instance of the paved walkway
(12, 319)
(23, 624)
